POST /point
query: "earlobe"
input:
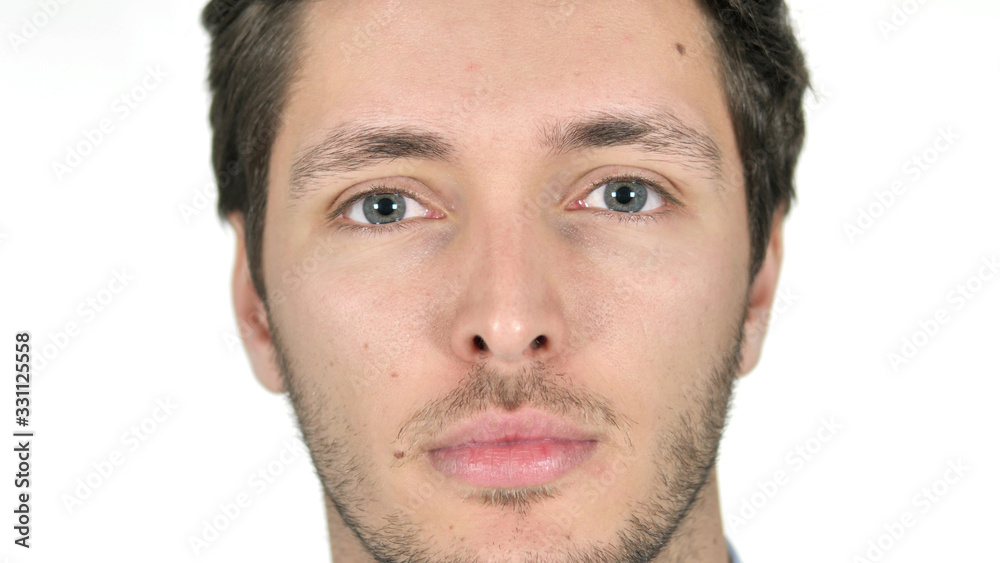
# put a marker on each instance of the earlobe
(251, 315)
(760, 297)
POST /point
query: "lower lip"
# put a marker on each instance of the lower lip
(517, 464)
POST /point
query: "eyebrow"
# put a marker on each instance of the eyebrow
(660, 133)
(355, 146)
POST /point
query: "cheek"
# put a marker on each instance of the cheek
(679, 290)
(351, 332)
(652, 317)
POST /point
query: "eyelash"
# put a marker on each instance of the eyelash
(624, 218)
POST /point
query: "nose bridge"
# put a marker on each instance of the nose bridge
(510, 310)
(509, 270)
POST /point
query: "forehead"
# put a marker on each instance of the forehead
(490, 71)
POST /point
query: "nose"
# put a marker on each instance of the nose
(509, 309)
(508, 342)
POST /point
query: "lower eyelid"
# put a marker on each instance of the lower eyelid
(636, 218)
(372, 230)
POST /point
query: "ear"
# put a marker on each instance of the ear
(252, 316)
(761, 296)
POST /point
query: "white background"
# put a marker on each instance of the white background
(142, 202)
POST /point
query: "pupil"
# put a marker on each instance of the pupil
(384, 206)
(624, 196)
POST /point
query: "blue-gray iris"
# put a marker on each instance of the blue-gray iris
(625, 196)
(384, 208)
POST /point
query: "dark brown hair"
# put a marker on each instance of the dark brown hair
(253, 62)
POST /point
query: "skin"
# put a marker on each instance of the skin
(368, 330)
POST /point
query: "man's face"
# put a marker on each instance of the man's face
(529, 357)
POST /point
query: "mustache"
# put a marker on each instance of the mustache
(536, 386)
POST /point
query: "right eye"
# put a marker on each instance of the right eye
(384, 207)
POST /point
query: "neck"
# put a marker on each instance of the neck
(700, 536)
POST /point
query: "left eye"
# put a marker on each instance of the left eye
(625, 196)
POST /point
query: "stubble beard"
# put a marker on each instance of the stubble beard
(684, 460)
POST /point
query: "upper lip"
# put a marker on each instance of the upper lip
(503, 428)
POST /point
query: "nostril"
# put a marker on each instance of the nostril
(480, 343)
(538, 342)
